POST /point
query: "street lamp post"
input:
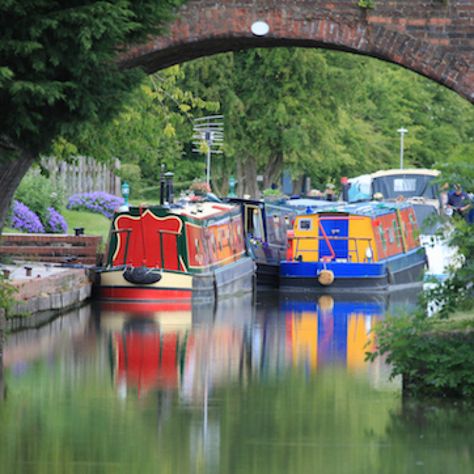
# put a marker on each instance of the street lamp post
(402, 132)
(208, 136)
(125, 192)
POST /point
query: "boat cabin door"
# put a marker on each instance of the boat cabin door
(333, 236)
(254, 222)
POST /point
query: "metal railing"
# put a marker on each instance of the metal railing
(127, 241)
(328, 240)
(162, 255)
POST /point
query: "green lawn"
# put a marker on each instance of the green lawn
(94, 224)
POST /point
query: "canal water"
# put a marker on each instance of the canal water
(275, 384)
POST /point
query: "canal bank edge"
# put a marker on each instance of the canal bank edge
(44, 295)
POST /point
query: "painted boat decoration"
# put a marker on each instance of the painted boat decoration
(370, 246)
(266, 225)
(191, 250)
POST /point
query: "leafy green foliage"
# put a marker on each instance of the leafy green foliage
(58, 63)
(38, 193)
(324, 114)
(367, 4)
(7, 290)
(436, 355)
(153, 129)
(132, 174)
(59, 70)
(457, 292)
(320, 114)
(434, 360)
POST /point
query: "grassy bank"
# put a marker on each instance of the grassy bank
(93, 223)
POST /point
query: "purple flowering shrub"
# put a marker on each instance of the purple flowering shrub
(99, 202)
(24, 219)
(55, 222)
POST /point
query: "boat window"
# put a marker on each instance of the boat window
(305, 224)
(404, 185)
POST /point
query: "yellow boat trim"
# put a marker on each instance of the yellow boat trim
(168, 280)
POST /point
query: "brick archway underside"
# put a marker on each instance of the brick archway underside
(432, 37)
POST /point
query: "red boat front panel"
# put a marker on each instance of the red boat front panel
(152, 241)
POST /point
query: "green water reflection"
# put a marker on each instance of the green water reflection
(247, 390)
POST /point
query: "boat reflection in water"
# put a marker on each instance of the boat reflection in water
(318, 332)
(194, 349)
(173, 346)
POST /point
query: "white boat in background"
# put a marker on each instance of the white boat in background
(420, 188)
(441, 257)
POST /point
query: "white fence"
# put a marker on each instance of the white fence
(83, 174)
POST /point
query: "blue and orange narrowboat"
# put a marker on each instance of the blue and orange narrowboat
(360, 247)
(183, 251)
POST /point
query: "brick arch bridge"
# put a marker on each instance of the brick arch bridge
(432, 37)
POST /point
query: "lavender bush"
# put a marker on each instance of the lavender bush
(24, 219)
(99, 202)
(39, 193)
(55, 222)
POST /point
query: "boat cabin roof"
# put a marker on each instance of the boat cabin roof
(315, 204)
(409, 171)
(370, 209)
(407, 183)
(198, 209)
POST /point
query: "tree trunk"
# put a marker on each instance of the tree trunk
(273, 170)
(240, 179)
(12, 171)
(298, 184)
(250, 173)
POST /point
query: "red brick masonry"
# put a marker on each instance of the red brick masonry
(51, 247)
(432, 37)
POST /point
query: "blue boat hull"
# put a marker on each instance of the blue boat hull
(401, 270)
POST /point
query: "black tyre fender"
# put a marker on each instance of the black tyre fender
(142, 275)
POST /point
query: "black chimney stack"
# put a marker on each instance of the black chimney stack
(162, 185)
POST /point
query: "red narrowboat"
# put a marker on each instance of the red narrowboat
(183, 251)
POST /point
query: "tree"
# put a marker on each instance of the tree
(154, 128)
(275, 105)
(324, 114)
(59, 71)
